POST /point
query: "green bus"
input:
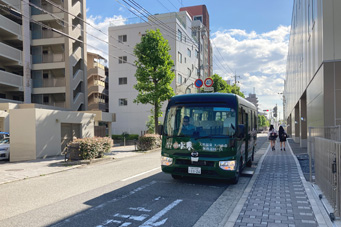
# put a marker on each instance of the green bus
(211, 135)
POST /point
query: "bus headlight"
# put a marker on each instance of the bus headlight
(227, 165)
(166, 161)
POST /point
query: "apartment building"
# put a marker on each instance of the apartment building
(42, 53)
(132, 118)
(312, 90)
(200, 13)
(97, 83)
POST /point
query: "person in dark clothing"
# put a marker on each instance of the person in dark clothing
(282, 137)
(272, 135)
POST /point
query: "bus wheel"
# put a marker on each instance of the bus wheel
(176, 177)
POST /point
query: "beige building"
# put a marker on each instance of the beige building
(97, 83)
(312, 92)
(38, 64)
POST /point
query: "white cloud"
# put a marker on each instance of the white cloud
(95, 37)
(259, 60)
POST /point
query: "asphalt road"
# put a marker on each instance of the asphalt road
(127, 192)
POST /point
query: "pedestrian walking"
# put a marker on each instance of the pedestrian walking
(282, 137)
(272, 135)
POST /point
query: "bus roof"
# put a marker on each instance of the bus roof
(210, 97)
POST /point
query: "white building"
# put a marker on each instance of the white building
(130, 117)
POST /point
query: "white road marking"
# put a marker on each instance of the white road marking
(157, 198)
(125, 224)
(105, 204)
(137, 175)
(142, 209)
(152, 220)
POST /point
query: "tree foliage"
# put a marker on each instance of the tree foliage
(262, 121)
(154, 75)
(221, 86)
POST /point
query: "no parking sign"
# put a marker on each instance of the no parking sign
(198, 83)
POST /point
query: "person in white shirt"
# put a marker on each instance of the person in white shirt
(272, 135)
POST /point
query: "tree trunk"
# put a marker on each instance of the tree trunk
(156, 120)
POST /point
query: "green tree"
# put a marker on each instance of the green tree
(154, 75)
(236, 90)
(221, 86)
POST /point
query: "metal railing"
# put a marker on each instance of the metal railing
(324, 149)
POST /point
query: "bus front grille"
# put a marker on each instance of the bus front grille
(198, 163)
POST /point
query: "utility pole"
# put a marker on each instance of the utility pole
(235, 78)
(199, 47)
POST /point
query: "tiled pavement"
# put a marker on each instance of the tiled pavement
(278, 196)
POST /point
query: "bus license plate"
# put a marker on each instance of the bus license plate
(194, 170)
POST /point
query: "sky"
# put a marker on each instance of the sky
(249, 39)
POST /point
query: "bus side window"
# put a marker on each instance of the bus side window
(240, 116)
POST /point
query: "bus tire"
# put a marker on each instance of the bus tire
(176, 177)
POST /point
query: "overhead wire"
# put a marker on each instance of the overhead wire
(168, 28)
(57, 31)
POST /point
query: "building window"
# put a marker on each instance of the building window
(185, 60)
(46, 99)
(45, 75)
(179, 35)
(179, 57)
(189, 71)
(198, 18)
(122, 59)
(122, 102)
(122, 38)
(196, 54)
(122, 80)
(189, 53)
(179, 79)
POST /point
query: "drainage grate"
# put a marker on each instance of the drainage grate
(14, 169)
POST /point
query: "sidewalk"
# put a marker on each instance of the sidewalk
(10, 172)
(278, 195)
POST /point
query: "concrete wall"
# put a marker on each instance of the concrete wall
(36, 133)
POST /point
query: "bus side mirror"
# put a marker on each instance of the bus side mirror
(241, 131)
(159, 129)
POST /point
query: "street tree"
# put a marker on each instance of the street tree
(154, 72)
(221, 86)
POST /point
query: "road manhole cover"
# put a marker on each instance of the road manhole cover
(14, 169)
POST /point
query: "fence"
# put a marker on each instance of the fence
(324, 149)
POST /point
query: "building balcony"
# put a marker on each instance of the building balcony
(9, 28)
(13, 3)
(10, 54)
(96, 71)
(48, 90)
(11, 79)
(51, 82)
(98, 90)
(48, 61)
(98, 106)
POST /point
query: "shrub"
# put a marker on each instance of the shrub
(128, 137)
(148, 142)
(93, 147)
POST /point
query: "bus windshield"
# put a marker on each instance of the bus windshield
(200, 120)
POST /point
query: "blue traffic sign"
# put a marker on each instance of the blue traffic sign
(198, 83)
